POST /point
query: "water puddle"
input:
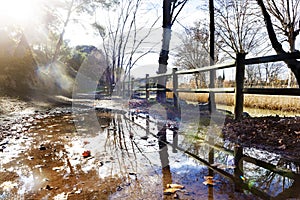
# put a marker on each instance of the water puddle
(59, 155)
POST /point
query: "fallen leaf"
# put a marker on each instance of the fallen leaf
(208, 177)
(173, 185)
(209, 182)
(86, 154)
(58, 168)
(169, 191)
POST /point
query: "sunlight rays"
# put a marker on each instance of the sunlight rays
(18, 11)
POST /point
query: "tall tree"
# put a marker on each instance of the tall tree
(171, 9)
(62, 14)
(287, 15)
(239, 27)
(123, 37)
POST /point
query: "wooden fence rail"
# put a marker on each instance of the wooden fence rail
(239, 89)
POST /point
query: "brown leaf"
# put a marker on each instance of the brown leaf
(86, 154)
(173, 185)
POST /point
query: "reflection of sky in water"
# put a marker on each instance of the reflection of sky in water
(13, 148)
(269, 182)
(114, 153)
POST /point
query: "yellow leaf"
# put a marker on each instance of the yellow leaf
(170, 190)
(173, 185)
(209, 182)
(208, 177)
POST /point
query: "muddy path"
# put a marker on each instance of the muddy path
(42, 157)
(59, 153)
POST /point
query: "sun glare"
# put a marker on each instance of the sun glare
(17, 11)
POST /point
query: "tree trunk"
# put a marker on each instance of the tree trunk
(164, 53)
(61, 35)
(212, 73)
(293, 64)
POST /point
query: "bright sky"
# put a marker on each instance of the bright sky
(19, 11)
(23, 13)
(82, 34)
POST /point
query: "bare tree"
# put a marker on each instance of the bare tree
(273, 71)
(239, 27)
(253, 75)
(194, 51)
(123, 37)
(286, 20)
(262, 75)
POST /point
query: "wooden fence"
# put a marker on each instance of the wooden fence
(239, 89)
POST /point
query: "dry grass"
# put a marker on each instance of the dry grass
(275, 102)
(268, 102)
(202, 98)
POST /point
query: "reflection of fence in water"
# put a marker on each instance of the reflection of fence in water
(244, 165)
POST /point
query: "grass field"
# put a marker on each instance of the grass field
(268, 102)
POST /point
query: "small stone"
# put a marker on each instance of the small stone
(119, 188)
(42, 147)
(78, 191)
(48, 187)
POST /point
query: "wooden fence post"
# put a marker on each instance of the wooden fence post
(175, 87)
(239, 85)
(212, 101)
(147, 87)
(238, 170)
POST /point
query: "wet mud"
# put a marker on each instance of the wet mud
(57, 154)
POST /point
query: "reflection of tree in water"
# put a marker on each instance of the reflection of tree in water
(198, 141)
(126, 158)
(104, 119)
(280, 187)
(122, 144)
